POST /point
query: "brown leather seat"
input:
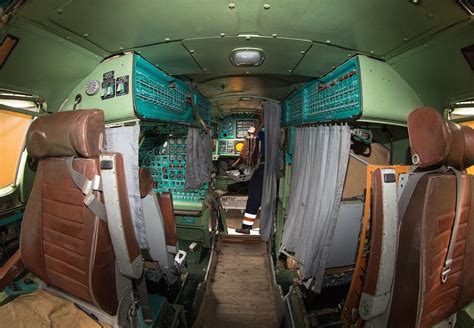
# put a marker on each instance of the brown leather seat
(145, 181)
(62, 241)
(420, 297)
(165, 200)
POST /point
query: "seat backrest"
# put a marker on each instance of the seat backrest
(62, 241)
(420, 297)
(165, 202)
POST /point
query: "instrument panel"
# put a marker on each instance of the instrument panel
(166, 158)
(229, 147)
(232, 132)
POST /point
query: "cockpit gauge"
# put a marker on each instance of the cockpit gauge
(92, 87)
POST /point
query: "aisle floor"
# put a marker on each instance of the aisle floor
(240, 291)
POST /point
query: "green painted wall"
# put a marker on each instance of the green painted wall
(437, 69)
(116, 108)
(386, 96)
(44, 64)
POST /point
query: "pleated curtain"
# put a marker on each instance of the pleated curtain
(319, 168)
(272, 112)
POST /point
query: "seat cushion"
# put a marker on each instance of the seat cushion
(62, 241)
(420, 299)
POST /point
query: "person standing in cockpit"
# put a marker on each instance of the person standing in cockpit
(253, 153)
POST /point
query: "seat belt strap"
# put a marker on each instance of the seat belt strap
(448, 263)
(87, 186)
(96, 206)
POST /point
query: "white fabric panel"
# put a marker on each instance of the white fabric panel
(319, 167)
(124, 140)
(272, 112)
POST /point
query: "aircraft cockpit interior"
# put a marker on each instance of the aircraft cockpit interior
(243, 163)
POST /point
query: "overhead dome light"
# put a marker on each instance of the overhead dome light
(244, 57)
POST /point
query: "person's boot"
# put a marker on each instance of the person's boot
(245, 229)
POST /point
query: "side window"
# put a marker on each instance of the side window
(461, 110)
(14, 123)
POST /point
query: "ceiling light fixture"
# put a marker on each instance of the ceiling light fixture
(245, 57)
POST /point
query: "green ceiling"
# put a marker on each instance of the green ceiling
(300, 38)
(372, 27)
(281, 55)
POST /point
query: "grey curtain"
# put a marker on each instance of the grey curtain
(272, 112)
(198, 159)
(124, 140)
(319, 168)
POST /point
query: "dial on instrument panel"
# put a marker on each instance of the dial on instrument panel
(92, 87)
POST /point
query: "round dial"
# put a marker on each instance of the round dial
(92, 87)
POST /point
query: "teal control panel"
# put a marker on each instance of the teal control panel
(236, 126)
(232, 131)
(165, 156)
(334, 97)
(228, 147)
(127, 86)
(159, 96)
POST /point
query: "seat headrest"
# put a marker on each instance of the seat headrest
(72, 133)
(435, 141)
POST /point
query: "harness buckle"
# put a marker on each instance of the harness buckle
(446, 270)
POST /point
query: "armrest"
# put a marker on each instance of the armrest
(10, 270)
